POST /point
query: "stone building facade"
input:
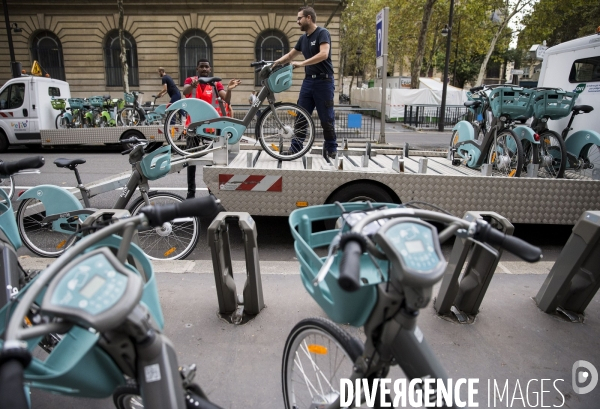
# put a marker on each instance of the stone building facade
(77, 41)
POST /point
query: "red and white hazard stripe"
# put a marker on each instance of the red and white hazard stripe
(6, 114)
(253, 183)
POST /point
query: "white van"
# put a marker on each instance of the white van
(575, 66)
(25, 109)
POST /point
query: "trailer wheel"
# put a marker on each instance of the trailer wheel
(361, 192)
(3, 142)
(131, 134)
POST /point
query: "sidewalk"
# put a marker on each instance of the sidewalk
(239, 366)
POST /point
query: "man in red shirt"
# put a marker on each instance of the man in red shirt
(193, 89)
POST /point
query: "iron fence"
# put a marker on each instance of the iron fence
(350, 123)
(427, 116)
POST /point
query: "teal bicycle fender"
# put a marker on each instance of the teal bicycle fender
(525, 132)
(577, 142)
(56, 200)
(161, 109)
(465, 131)
(106, 115)
(198, 110)
(68, 116)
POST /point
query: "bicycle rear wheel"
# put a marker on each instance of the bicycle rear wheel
(173, 240)
(317, 354)
(184, 140)
(587, 162)
(39, 237)
(291, 141)
(551, 155)
(506, 157)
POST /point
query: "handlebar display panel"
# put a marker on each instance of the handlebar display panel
(414, 242)
(93, 286)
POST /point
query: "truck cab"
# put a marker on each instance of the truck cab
(575, 66)
(25, 109)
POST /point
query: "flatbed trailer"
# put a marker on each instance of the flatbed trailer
(100, 136)
(254, 182)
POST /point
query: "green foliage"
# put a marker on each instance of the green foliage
(557, 21)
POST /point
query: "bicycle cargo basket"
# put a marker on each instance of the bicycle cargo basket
(96, 101)
(553, 103)
(58, 104)
(342, 307)
(76, 103)
(129, 98)
(280, 79)
(514, 102)
(157, 164)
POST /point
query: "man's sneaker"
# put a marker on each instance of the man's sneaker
(332, 154)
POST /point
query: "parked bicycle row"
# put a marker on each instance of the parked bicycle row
(103, 111)
(508, 131)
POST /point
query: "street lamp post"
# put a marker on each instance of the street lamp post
(446, 31)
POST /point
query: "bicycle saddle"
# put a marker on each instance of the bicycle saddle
(68, 163)
(208, 80)
(473, 104)
(585, 109)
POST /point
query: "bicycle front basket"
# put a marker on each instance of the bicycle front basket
(514, 102)
(97, 101)
(343, 307)
(553, 103)
(58, 104)
(129, 98)
(76, 103)
(157, 164)
(280, 79)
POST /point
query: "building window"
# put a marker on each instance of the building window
(193, 45)
(112, 60)
(270, 46)
(47, 51)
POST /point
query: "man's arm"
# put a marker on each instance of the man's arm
(322, 56)
(162, 92)
(225, 94)
(189, 86)
(288, 57)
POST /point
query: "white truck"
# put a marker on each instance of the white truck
(27, 117)
(575, 66)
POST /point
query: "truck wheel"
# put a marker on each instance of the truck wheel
(357, 192)
(131, 134)
(3, 142)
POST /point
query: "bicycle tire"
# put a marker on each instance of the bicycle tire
(552, 155)
(39, 238)
(589, 159)
(507, 159)
(128, 396)
(326, 336)
(129, 117)
(61, 122)
(8, 185)
(178, 135)
(163, 243)
(285, 144)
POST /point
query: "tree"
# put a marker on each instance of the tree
(503, 12)
(123, 49)
(418, 61)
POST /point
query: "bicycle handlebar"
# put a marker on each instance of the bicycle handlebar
(10, 168)
(514, 245)
(353, 245)
(199, 207)
(12, 365)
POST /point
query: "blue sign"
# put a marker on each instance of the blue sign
(379, 32)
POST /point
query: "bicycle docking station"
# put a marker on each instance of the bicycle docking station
(462, 292)
(575, 277)
(234, 308)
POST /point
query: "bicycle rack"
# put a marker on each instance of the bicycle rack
(575, 277)
(234, 308)
(460, 299)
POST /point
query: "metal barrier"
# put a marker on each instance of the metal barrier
(350, 123)
(426, 116)
(461, 299)
(235, 308)
(575, 277)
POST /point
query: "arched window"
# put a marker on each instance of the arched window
(47, 51)
(270, 46)
(112, 60)
(193, 45)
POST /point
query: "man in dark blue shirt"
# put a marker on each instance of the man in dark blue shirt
(168, 87)
(318, 86)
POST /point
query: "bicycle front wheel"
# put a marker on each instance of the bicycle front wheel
(8, 185)
(285, 133)
(552, 155)
(173, 240)
(506, 156)
(184, 140)
(316, 356)
(39, 237)
(129, 117)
